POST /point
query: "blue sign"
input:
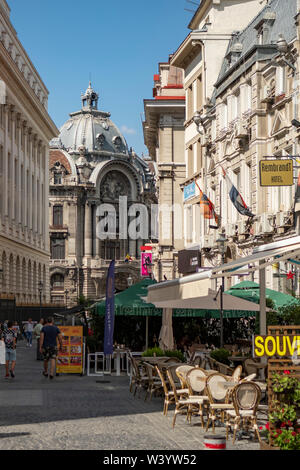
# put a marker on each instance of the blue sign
(189, 191)
(109, 311)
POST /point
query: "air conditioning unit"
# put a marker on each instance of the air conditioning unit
(264, 225)
(241, 130)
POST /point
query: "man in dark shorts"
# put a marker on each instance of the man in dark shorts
(48, 346)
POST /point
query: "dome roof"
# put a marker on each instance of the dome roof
(91, 129)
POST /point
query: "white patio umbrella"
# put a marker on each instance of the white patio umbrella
(166, 338)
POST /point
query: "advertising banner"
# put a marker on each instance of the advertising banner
(70, 357)
(146, 258)
(109, 311)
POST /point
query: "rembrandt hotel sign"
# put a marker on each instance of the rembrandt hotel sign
(276, 172)
(279, 345)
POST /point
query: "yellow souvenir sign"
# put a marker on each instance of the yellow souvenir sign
(279, 345)
(276, 172)
(70, 357)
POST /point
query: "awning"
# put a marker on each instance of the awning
(209, 306)
(198, 285)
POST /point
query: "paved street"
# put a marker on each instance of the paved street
(79, 413)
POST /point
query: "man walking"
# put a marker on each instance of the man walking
(48, 346)
(9, 337)
(37, 333)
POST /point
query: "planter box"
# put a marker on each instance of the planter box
(265, 446)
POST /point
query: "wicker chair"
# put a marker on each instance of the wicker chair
(154, 382)
(183, 405)
(219, 398)
(138, 378)
(169, 394)
(249, 378)
(236, 375)
(246, 397)
(181, 372)
(196, 382)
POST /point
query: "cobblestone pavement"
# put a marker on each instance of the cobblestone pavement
(87, 413)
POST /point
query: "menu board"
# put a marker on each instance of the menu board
(70, 356)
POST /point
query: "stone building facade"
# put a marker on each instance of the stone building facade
(164, 137)
(249, 113)
(93, 174)
(25, 131)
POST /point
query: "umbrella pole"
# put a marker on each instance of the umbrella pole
(147, 332)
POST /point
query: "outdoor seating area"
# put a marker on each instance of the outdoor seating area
(215, 394)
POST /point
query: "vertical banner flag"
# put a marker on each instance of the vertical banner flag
(146, 258)
(109, 310)
(207, 207)
(236, 198)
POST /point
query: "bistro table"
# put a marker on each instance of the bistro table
(117, 355)
(238, 360)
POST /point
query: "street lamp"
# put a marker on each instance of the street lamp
(40, 287)
(129, 281)
(221, 241)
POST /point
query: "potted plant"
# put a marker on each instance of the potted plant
(283, 430)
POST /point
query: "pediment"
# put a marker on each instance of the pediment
(280, 123)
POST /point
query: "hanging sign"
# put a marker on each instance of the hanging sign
(277, 172)
(70, 356)
(108, 347)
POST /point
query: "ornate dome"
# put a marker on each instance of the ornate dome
(91, 131)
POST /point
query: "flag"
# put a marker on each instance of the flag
(236, 197)
(109, 310)
(297, 196)
(207, 207)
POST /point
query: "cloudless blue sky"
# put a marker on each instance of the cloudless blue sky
(119, 43)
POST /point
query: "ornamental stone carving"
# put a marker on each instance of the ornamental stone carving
(114, 185)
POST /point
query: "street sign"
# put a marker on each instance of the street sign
(277, 172)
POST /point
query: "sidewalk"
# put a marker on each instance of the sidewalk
(87, 413)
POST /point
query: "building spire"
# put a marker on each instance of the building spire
(89, 98)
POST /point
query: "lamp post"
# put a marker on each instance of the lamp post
(222, 248)
(40, 287)
(66, 294)
(129, 281)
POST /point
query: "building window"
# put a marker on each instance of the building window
(57, 282)
(57, 247)
(58, 216)
(110, 250)
(57, 178)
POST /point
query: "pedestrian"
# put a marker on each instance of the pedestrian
(29, 332)
(37, 333)
(49, 336)
(9, 337)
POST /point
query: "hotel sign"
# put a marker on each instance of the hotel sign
(277, 172)
(189, 191)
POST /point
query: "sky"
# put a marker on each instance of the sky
(115, 43)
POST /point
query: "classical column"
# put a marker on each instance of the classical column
(88, 233)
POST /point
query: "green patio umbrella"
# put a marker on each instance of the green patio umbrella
(249, 290)
(130, 302)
